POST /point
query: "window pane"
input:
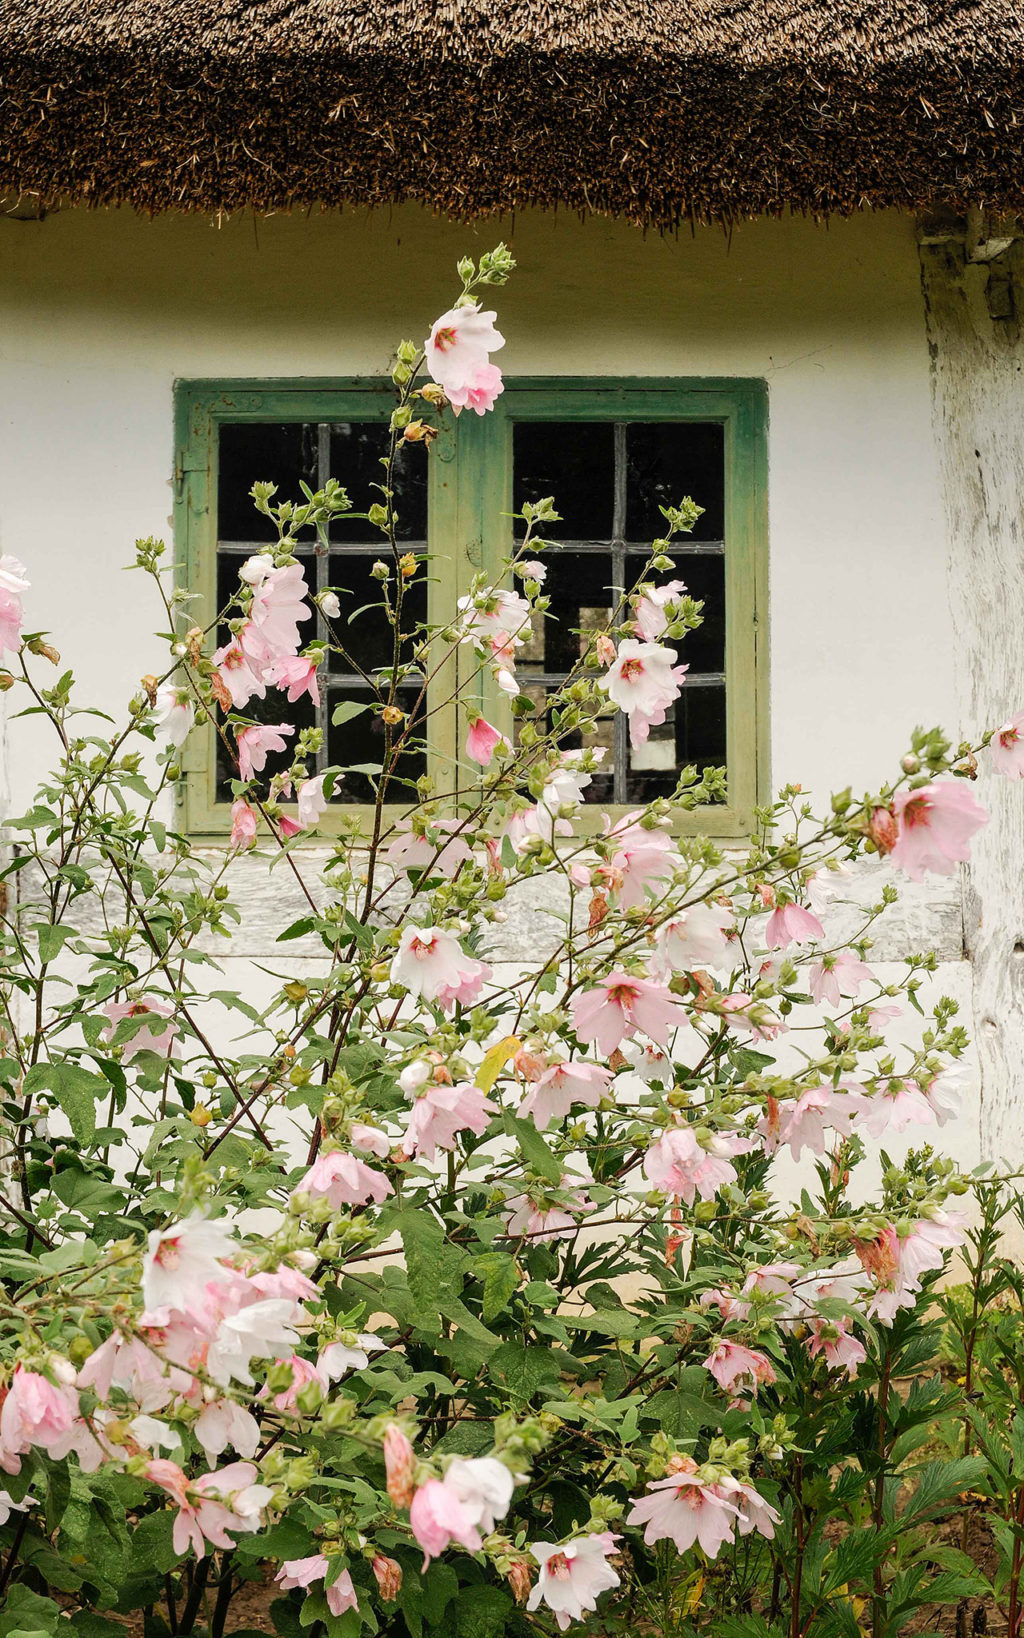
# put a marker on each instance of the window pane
(694, 731)
(361, 740)
(363, 627)
(575, 463)
(357, 448)
(667, 460)
(261, 452)
(579, 585)
(703, 575)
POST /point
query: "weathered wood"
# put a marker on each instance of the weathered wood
(973, 309)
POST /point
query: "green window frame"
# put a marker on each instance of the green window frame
(469, 498)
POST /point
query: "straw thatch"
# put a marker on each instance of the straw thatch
(651, 109)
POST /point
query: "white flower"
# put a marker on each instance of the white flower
(13, 578)
(642, 677)
(173, 716)
(255, 569)
(338, 1357)
(225, 1423)
(571, 1577)
(329, 605)
(311, 801)
(263, 1330)
(484, 1486)
(459, 346)
(182, 1260)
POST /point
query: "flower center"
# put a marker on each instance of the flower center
(631, 669)
(444, 340)
(558, 1566)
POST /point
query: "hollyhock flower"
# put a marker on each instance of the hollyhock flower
(261, 1330)
(296, 673)
(530, 826)
(224, 1422)
(244, 825)
(792, 924)
(412, 851)
(483, 1485)
(311, 801)
(802, 1123)
(483, 740)
(894, 1106)
(329, 605)
(755, 1512)
(126, 1362)
(36, 1411)
(639, 859)
(13, 574)
(533, 570)
(440, 1113)
(11, 618)
(343, 1180)
(729, 1306)
(154, 1035)
(772, 1279)
(643, 681)
(7, 1503)
(559, 1087)
(651, 613)
(564, 785)
(945, 1093)
(494, 621)
(832, 1338)
(304, 1372)
(457, 353)
(696, 937)
(621, 1003)
(257, 742)
(543, 1219)
(173, 715)
(338, 1358)
(936, 823)
(573, 1576)
(741, 1012)
(255, 569)
(182, 1259)
(739, 1371)
(685, 1509)
(836, 976)
(399, 1465)
(388, 1576)
(370, 1139)
(1007, 748)
(438, 1518)
(897, 1264)
(306, 1572)
(277, 609)
(431, 963)
(242, 679)
(678, 1165)
(229, 1499)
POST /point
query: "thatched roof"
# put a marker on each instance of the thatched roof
(653, 109)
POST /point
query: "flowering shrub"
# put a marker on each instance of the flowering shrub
(447, 1300)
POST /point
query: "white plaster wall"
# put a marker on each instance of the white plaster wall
(100, 312)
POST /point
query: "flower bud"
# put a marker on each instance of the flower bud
(518, 1576)
(399, 1464)
(389, 1577)
(392, 716)
(883, 829)
(6, 681)
(379, 570)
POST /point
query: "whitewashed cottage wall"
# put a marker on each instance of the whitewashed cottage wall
(101, 312)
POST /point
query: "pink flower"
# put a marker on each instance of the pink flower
(256, 743)
(412, 851)
(311, 801)
(483, 1485)
(182, 1259)
(897, 1264)
(833, 1339)
(244, 825)
(573, 1576)
(370, 1139)
(936, 823)
(241, 679)
(792, 924)
(678, 1165)
(432, 964)
(277, 608)
(388, 1576)
(559, 1087)
(458, 356)
(228, 1500)
(399, 1465)
(542, 1220)
(533, 570)
(154, 1035)
(438, 1517)
(652, 609)
(13, 580)
(306, 1572)
(639, 859)
(894, 1106)
(224, 1422)
(441, 1113)
(297, 673)
(739, 1371)
(686, 1510)
(1007, 748)
(494, 622)
(483, 740)
(344, 1180)
(696, 937)
(127, 1363)
(36, 1412)
(835, 976)
(643, 681)
(802, 1123)
(621, 1003)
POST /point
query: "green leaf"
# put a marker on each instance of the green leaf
(76, 1090)
(346, 710)
(481, 1612)
(27, 1611)
(525, 1369)
(940, 1482)
(298, 929)
(534, 1148)
(52, 939)
(500, 1278)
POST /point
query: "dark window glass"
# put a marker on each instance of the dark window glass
(667, 460)
(694, 732)
(703, 575)
(360, 741)
(574, 463)
(363, 627)
(356, 450)
(261, 452)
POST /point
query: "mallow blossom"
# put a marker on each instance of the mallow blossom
(432, 964)
(441, 1112)
(458, 351)
(308, 1572)
(622, 1003)
(344, 1180)
(651, 613)
(573, 1576)
(181, 1260)
(1007, 748)
(643, 681)
(678, 1165)
(935, 825)
(256, 742)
